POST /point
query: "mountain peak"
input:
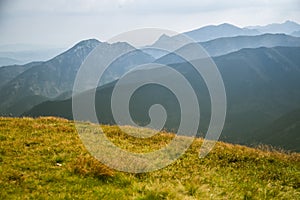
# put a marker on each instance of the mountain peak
(290, 22)
(122, 45)
(227, 25)
(83, 47)
(164, 36)
(88, 42)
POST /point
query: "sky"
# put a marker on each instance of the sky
(62, 23)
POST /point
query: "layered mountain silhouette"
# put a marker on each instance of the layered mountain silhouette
(262, 84)
(54, 78)
(225, 30)
(288, 27)
(260, 72)
(207, 33)
(222, 46)
(35, 82)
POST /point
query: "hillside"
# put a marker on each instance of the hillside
(43, 158)
(8, 73)
(280, 130)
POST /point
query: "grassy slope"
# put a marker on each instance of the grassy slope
(32, 150)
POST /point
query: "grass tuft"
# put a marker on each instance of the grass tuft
(86, 165)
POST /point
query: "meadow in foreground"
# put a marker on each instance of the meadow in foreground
(44, 158)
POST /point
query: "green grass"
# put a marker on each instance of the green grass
(44, 159)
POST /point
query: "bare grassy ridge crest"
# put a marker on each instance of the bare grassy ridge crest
(44, 158)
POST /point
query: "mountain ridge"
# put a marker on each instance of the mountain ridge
(56, 76)
(226, 45)
(207, 33)
(286, 27)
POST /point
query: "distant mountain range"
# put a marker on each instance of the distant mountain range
(24, 53)
(212, 32)
(211, 38)
(261, 84)
(9, 56)
(4, 61)
(288, 27)
(217, 31)
(222, 46)
(206, 33)
(260, 72)
(50, 79)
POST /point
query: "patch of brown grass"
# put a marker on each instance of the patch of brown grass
(86, 165)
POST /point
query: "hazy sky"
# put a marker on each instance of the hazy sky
(65, 22)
